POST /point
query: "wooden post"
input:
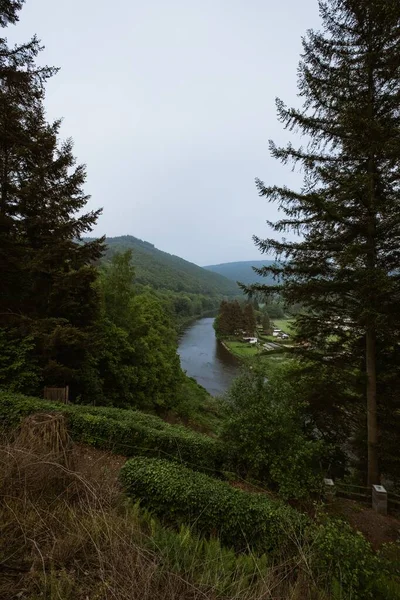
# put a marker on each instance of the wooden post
(379, 499)
(57, 394)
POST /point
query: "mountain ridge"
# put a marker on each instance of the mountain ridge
(242, 271)
(162, 270)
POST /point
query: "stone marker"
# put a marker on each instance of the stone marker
(379, 499)
(330, 488)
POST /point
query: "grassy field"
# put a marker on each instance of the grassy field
(247, 353)
(285, 325)
(241, 349)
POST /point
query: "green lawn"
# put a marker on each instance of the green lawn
(242, 349)
(285, 325)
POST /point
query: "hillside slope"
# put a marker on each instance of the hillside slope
(242, 271)
(166, 271)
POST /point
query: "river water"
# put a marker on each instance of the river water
(205, 359)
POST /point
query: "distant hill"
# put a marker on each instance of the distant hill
(243, 271)
(166, 271)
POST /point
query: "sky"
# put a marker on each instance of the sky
(171, 106)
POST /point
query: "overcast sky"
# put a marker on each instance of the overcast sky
(171, 105)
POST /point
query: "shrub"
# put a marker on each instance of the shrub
(266, 434)
(125, 432)
(242, 520)
(347, 564)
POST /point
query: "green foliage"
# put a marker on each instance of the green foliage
(275, 309)
(125, 432)
(266, 433)
(328, 393)
(242, 271)
(184, 497)
(241, 349)
(159, 373)
(344, 267)
(231, 319)
(249, 319)
(163, 271)
(205, 561)
(185, 307)
(266, 323)
(195, 407)
(117, 285)
(9, 11)
(349, 566)
(48, 302)
(137, 360)
(18, 368)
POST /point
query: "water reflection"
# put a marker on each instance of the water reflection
(205, 359)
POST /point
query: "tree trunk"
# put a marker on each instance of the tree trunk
(372, 417)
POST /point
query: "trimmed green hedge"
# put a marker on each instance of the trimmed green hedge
(342, 562)
(126, 432)
(242, 520)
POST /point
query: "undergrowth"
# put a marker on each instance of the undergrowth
(70, 534)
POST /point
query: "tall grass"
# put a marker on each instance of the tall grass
(70, 534)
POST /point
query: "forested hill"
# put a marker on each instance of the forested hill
(242, 271)
(165, 271)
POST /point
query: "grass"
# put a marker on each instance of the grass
(196, 408)
(242, 349)
(70, 534)
(286, 325)
(67, 532)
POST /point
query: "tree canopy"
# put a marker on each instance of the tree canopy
(343, 269)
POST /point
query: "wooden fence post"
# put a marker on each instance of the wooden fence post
(57, 394)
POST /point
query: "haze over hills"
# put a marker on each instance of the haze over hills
(242, 271)
(166, 271)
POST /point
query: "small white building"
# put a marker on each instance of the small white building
(251, 340)
(276, 332)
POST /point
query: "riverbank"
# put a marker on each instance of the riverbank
(212, 365)
(268, 345)
(246, 353)
(185, 323)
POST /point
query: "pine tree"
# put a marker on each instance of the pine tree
(237, 317)
(249, 320)
(21, 94)
(344, 268)
(266, 323)
(9, 11)
(222, 323)
(47, 291)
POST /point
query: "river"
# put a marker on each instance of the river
(205, 359)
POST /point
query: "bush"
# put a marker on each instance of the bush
(266, 434)
(347, 564)
(242, 520)
(125, 432)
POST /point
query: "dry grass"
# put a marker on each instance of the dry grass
(67, 533)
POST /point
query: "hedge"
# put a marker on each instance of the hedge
(126, 432)
(240, 519)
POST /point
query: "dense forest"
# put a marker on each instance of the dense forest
(164, 271)
(136, 484)
(186, 290)
(243, 271)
